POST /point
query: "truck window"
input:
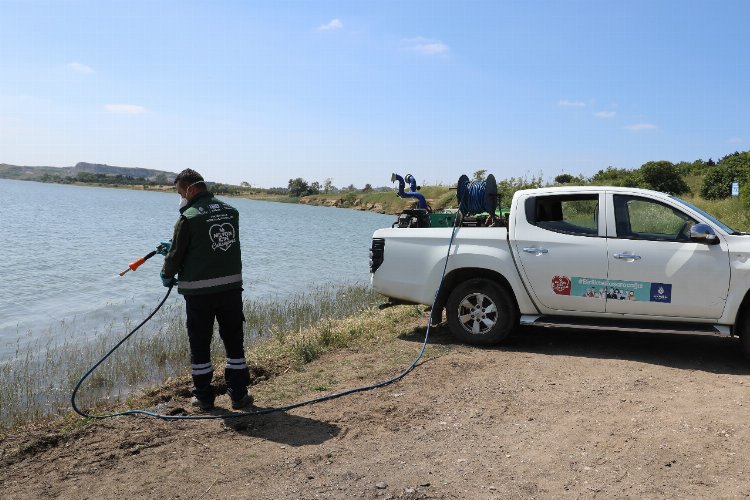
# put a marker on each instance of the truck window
(570, 214)
(645, 219)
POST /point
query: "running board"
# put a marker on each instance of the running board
(626, 325)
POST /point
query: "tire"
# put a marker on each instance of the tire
(481, 313)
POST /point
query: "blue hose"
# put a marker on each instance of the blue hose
(477, 196)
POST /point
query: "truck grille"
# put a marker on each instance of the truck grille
(376, 253)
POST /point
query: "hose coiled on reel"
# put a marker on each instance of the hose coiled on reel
(477, 196)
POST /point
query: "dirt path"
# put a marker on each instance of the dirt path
(551, 414)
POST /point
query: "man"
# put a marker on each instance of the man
(205, 256)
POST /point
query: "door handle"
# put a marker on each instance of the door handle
(535, 250)
(627, 256)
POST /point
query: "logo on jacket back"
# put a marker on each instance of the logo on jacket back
(222, 236)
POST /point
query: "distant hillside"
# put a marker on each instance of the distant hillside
(38, 173)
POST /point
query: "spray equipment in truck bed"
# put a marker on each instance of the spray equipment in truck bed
(477, 205)
(411, 217)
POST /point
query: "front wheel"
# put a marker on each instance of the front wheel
(481, 313)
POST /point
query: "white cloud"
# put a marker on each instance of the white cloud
(81, 68)
(636, 127)
(734, 140)
(571, 104)
(125, 109)
(334, 24)
(425, 46)
(605, 114)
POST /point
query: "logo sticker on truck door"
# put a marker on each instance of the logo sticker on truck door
(661, 292)
(597, 288)
(561, 285)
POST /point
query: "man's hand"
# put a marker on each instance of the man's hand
(164, 247)
(167, 281)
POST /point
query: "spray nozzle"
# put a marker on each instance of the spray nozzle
(137, 263)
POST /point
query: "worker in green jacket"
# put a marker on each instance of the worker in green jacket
(205, 257)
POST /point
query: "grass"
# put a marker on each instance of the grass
(730, 211)
(369, 333)
(438, 197)
(37, 383)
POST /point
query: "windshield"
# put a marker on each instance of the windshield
(707, 216)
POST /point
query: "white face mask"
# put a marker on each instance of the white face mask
(183, 200)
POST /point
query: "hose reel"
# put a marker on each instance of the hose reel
(475, 197)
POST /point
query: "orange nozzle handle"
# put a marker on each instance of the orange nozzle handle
(136, 264)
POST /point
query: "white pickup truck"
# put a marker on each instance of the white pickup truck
(588, 257)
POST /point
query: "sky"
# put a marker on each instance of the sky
(352, 91)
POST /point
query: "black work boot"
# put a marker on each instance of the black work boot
(238, 404)
(201, 404)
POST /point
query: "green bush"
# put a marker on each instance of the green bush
(507, 187)
(617, 177)
(697, 167)
(663, 176)
(717, 184)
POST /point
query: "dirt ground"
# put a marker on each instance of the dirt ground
(550, 414)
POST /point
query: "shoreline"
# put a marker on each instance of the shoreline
(161, 354)
(352, 201)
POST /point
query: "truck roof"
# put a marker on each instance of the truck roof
(588, 189)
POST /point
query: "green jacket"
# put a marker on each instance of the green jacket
(205, 253)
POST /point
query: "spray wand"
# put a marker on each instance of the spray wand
(137, 263)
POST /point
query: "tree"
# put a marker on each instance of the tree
(245, 184)
(480, 175)
(663, 176)
(367, 188)
(161, 179)
(564, 179)
(327, 185)
(314, 188)
(297, 187)
(85, 177)
(717, 184)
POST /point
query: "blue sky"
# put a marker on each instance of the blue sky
(265, 91)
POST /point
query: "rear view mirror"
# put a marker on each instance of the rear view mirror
(703, 233)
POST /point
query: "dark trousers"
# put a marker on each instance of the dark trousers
(226, 308)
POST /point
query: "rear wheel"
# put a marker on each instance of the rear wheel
(481, 312)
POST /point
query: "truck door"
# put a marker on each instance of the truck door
(561, 247)
(655, 270)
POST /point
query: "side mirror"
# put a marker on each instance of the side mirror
(703, 233)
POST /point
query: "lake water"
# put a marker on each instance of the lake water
(63, 247)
